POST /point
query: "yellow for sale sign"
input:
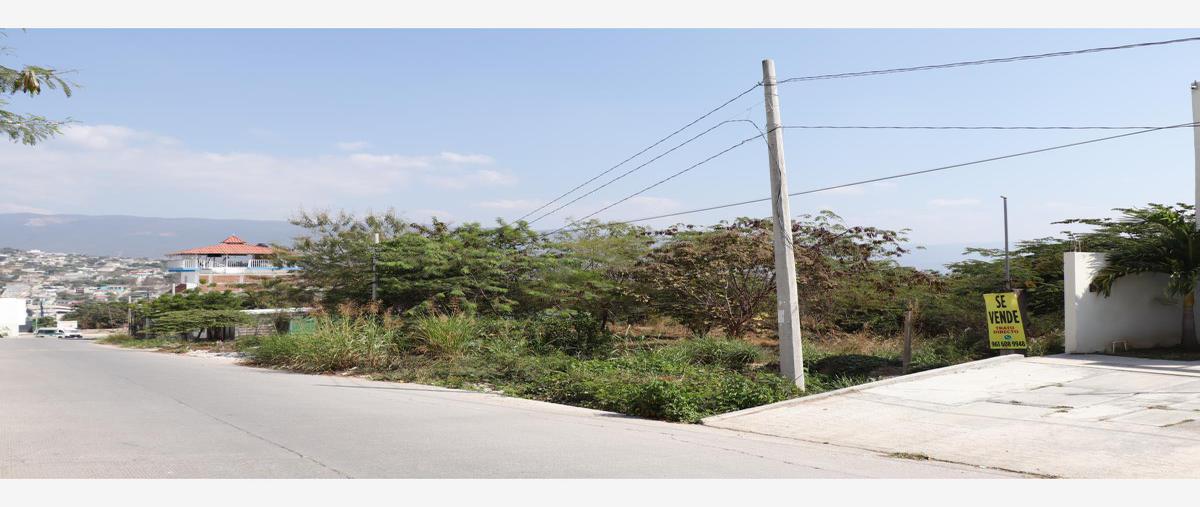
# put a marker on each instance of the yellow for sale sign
(1005, 328)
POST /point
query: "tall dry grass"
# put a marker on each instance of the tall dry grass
(353, 337)
(447, 336)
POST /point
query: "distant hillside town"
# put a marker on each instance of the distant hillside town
(51, 284)
(43, 289)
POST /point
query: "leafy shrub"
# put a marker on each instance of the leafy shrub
(660, 399)
(1051, 343)
(170, 344)
(937, 353)
(245, 344)
(655, 386)
(730, 354)
(573, 332)
(320, 351)
(853, 365)
(504, 337)
(132, 342)
(275, 350)
(447, 336)
(352, 339)
(819, 383)
(116, 339)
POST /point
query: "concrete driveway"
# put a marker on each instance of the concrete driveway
(1064, 416)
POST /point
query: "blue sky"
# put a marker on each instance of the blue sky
(474, 124)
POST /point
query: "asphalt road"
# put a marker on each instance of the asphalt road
(77, 409)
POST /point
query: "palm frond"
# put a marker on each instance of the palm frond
(1154, 239)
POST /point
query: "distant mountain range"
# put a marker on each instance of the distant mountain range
(938, 256)
(130, 236)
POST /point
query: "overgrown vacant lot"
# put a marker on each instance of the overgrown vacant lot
(675, 323)
(563, 357)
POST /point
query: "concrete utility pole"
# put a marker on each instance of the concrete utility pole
(791, 356)
(1196, 141)
(374, 275)
(1007, 273)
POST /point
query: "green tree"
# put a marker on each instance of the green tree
(720, 276)
(30, 80)
(334, 254)
(1036, 266)
(468, 267)
(724, 275)
(832, 257)
(595, 272)
(192, 300)
(878, 295)
(186, 322)
(276, 292)
(100, 314)
(1154, 239)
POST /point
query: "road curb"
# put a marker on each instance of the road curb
(982, 363)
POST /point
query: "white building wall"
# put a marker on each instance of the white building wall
(12, 315)
(1137, 311)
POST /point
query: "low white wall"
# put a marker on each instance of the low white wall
(12, 315)
(1136, 312)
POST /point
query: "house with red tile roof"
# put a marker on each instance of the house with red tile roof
(224, 265)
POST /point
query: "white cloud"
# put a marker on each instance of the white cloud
(482, 177)
(9, 207)
(106, 167)
(109, 137)
(97, 137)
(509, 204)
(352, 145)
(396, 161)
(459, 158)
(953, 203)
(490, 176)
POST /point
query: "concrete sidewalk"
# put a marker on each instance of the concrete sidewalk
(1067, 416)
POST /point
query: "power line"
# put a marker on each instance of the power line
(648, 162)
(985, 62)
(660, 182)
(863, 74)
(971, 127)
(891, 177)
(648, 148)
(991, 159)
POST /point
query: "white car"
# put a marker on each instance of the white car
(47, 332)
